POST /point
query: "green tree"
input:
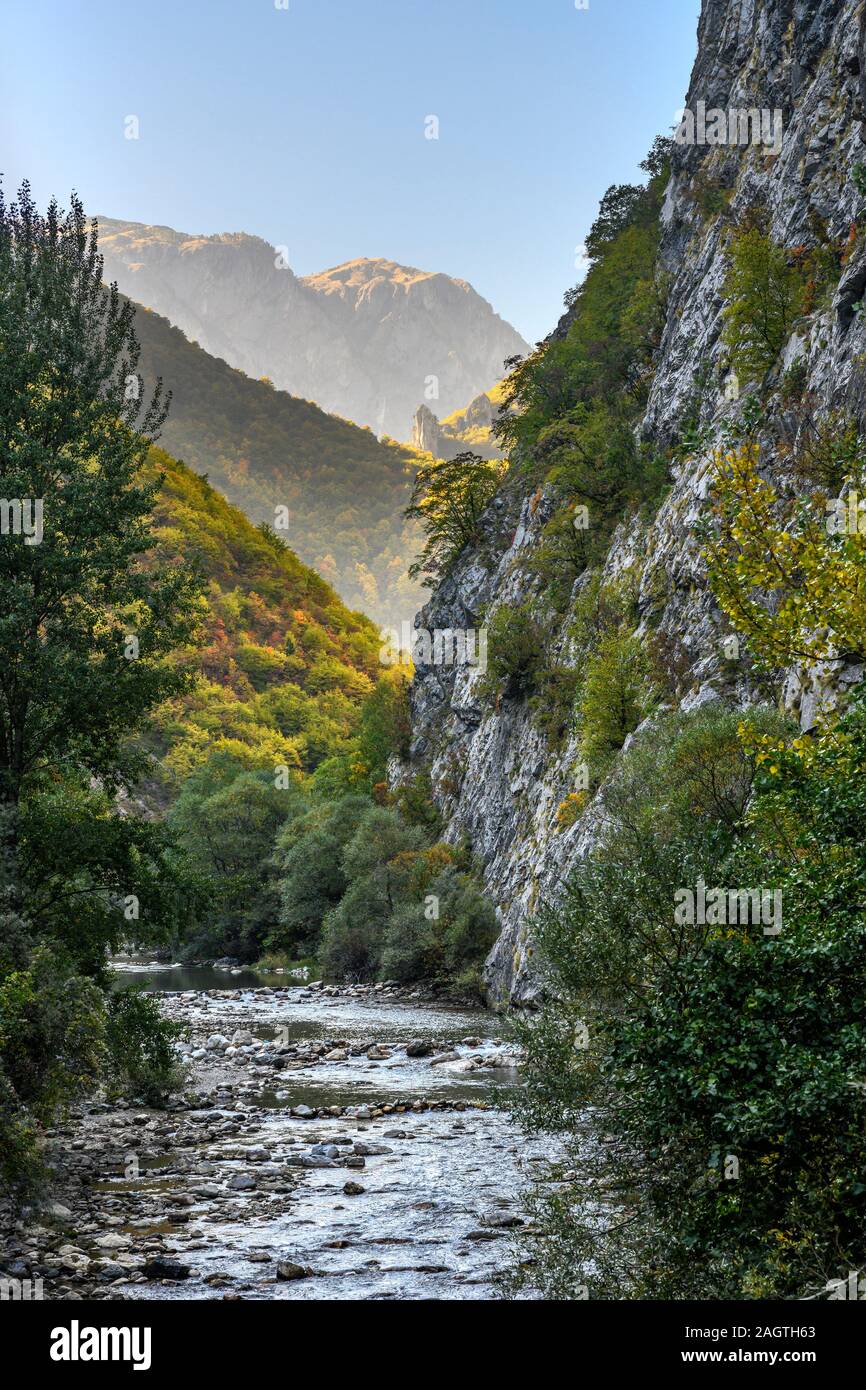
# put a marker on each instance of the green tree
(448, 498)
(309, 856)
(226, 826)
(385, 724)
(764, 294)
(86, 622)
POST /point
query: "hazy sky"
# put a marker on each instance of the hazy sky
(306, 125)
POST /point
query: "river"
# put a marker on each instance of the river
(317, 1159)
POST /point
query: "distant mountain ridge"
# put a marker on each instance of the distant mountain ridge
(263, 449)
(368, 340)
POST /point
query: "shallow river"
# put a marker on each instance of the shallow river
(439, 1201)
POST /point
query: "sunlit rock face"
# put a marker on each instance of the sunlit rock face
(495, 778)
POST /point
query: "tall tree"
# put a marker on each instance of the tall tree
(87, 617)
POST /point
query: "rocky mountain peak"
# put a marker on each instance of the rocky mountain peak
(366, 340)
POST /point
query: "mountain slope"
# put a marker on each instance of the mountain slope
(284, 664)
(364, 340)
(265, 449)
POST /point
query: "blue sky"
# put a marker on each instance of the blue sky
(306, 126)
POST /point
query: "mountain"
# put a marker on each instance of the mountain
(367, 340)
(264, 449)
(625, 404)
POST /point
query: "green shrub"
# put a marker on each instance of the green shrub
(515, 650)
(618, 692)
(764, 295)
(142, 1064)
(52, 1024)
(727, 1063)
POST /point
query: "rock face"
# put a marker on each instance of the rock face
(466, 430)
(367, 340)
(494, 776)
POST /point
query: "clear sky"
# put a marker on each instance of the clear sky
(306, 125)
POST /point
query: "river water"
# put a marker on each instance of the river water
(439, 1205)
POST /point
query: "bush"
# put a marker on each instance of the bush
(671, 1031)
(444, 937)
(618, 692)
(515, 644)
(142, 1064)
(764, 296)
(52, 1027)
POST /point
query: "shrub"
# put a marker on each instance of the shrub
(764, 296)
(51, 1053)
(703, 1044)
(515, 644)
(142, 1065)
(617, 694)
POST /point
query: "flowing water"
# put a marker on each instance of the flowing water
(440, 1188)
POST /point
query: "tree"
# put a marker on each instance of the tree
(86, 620)
(311, 878)
(386, 726)
(764, 294)
(790, 576)
(226, 825)
(448, 498)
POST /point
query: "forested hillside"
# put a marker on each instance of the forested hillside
(283, 665)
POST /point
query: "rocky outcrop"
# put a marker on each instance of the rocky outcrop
(466, 431)
(367, 340)
(495, 778)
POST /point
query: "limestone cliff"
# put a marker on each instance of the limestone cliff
(466, 431)
(496, 779)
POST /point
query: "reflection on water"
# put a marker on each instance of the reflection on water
(174, 976)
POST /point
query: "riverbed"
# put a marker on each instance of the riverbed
(334, 1145)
